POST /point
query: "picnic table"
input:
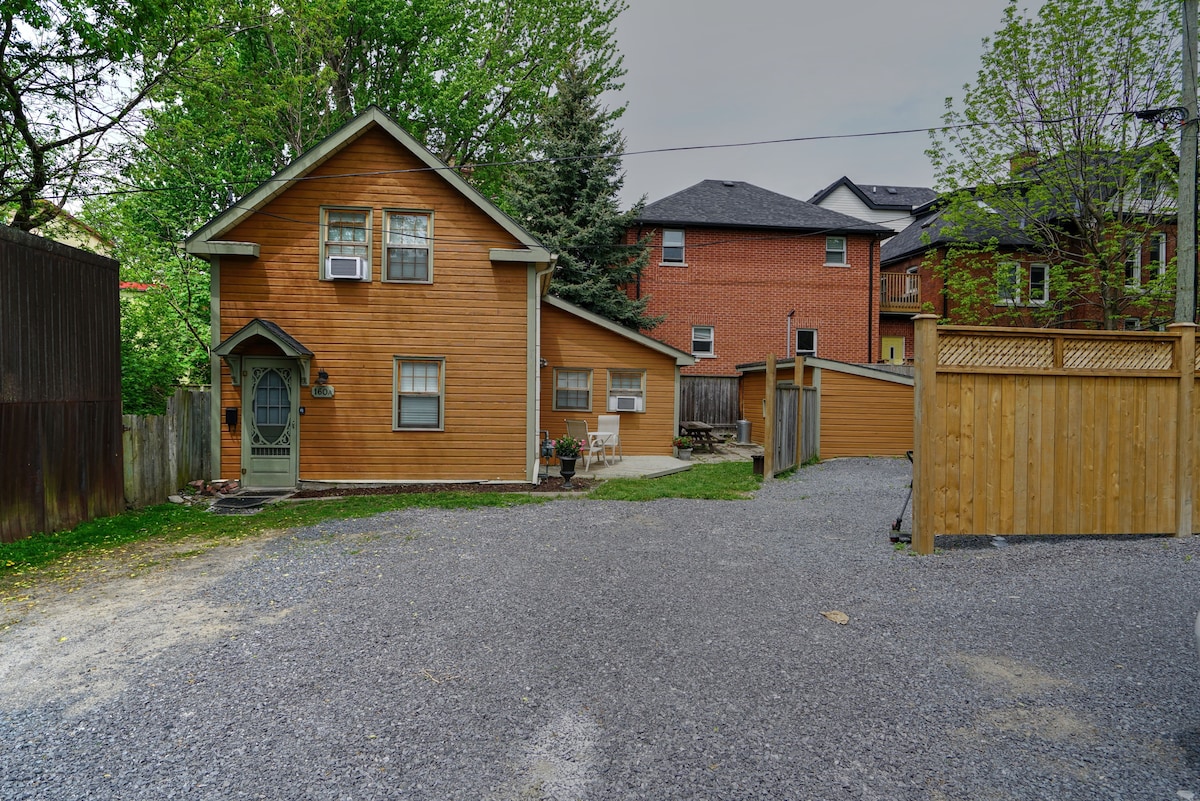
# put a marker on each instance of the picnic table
(701, 434)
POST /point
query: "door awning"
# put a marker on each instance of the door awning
(262, 338)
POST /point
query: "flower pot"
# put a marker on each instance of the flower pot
(684, 453)
(567, 470)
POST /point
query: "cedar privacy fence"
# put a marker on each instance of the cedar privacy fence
(711, 398)
(163, 452)
(1033, 431)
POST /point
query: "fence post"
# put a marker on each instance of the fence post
(798, 366)
(769, 423)
(1186, 362)
(925, 355)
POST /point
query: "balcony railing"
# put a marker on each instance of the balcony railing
(901, 293)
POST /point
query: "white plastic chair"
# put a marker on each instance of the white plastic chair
(589, 446)
(611, 423)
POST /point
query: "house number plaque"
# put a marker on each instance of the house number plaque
(322, 391)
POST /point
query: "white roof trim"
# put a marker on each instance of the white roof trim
(225, 221)
(215, 247)
(534, 255)
(838, 367)
(681, 359)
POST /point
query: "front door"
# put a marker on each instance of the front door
(893, 350)
(271, 432)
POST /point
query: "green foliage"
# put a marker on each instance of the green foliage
(724, 481)
(568, 200)
(1044, 163)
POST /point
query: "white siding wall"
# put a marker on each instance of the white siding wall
(846, 202)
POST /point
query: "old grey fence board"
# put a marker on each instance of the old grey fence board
(710, 399)
(164, 452)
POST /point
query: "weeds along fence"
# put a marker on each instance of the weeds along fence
(163, 452)
(1032, 431)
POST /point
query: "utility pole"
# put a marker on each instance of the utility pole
(1185, 279)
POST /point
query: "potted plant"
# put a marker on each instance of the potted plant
(566, 448)
(683, 446)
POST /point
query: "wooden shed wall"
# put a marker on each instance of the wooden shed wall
(475, 314)
(60, 386)
(754, 392)
(571, 341)
(863, 416)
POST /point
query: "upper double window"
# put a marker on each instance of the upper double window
(346, 245)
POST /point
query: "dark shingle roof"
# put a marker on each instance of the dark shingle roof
(881, 196)
(928, 232)
(743, 205)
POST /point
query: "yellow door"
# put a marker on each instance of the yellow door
(893, 350)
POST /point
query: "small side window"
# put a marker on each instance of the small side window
(419, 393)
(345, 244)
(806, 342)
(672, 247)
(703, 344)
(835, 250)
(572, 389)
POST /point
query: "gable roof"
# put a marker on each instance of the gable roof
(883, 197)
(681, 358)
(208, 240)
(743, 205)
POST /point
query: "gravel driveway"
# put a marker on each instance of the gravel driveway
(607, 650)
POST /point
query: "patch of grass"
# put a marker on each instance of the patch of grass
(170, 522)
(724, 481)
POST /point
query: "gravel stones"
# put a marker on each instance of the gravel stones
(608, 650)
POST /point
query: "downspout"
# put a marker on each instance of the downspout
(871, 299)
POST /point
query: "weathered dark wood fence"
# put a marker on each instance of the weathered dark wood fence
(163, 452)
(60, 386)
(709, 399)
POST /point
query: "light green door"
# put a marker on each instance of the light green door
(271, 432)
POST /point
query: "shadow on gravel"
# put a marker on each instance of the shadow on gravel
(1189, 743)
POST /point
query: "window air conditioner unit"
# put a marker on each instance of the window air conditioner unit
(625, 403)
(347, 267)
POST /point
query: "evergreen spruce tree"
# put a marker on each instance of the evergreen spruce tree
(568, 200)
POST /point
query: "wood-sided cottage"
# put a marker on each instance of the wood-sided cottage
(376, 319)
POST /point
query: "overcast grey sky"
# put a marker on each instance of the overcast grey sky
(704, 72)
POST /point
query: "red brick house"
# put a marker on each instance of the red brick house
(741, 273)
(911, 283)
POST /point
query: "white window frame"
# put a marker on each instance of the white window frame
(843, 250)
(398, 391)
(704, 333)
(638, 392)
(1008, 283)
(1044, 284)
(586, 374)
(1159, 245)
(681, 246)
(800, 351)
(388, 247)
(1133, 262)
(327, 244)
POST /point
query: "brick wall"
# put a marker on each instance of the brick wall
(743, 283)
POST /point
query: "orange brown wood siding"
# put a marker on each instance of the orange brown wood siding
(474, 314)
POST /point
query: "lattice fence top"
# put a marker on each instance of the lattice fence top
(956, 350)
(1117, 354)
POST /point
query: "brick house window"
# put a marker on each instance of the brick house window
(835, 250)
(806, 342)
(672, 246)
(703, 344)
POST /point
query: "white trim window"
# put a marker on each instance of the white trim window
(1158, 254)
(1008, 283)
(408, 247)
(572, 389)
(704, 341)
(345, 235)
(1039, 284)
(1133, 265)
(835, 251)
(419, 393)
(672, 246)
(627, 384)
(806, 342)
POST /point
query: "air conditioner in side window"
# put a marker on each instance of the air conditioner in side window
(352, 268)
(625, 403)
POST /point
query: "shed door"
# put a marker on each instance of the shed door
(270, 435)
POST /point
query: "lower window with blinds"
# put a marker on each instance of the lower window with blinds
(419, 393)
